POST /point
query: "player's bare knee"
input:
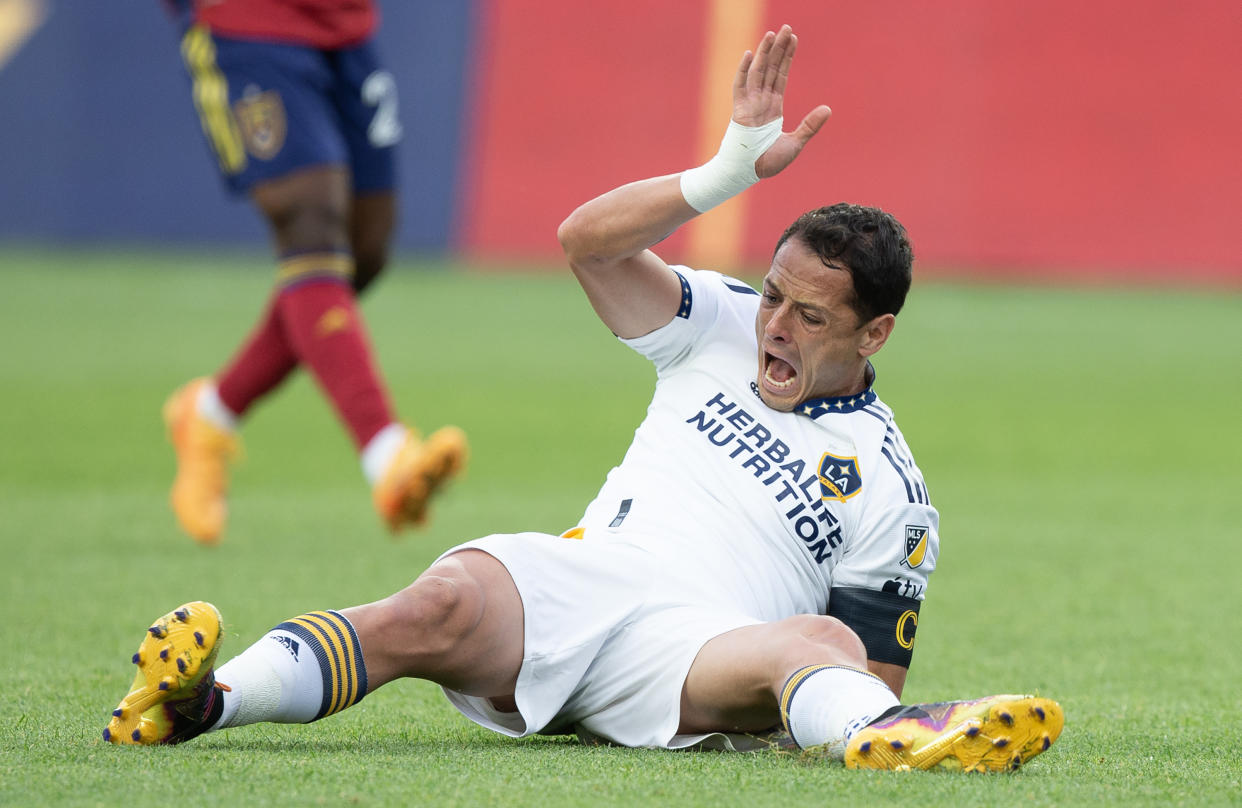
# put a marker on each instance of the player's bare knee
(810, 639)
(438, 611)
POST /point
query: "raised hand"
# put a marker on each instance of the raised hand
(759, 97)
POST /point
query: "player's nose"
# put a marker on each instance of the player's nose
(777, 326)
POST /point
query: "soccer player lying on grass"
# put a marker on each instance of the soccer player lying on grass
(755, 563)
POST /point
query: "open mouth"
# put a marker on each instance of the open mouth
(777, 373)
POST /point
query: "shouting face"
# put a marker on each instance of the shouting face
(811, 342)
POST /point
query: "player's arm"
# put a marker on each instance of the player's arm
(885, 621)
(893, 675)
(607, 240)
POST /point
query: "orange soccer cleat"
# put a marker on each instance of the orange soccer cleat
(415, 474)
(204, 452)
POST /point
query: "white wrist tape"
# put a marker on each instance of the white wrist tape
(732, 170)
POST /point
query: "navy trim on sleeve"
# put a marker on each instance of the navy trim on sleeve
(687, 299)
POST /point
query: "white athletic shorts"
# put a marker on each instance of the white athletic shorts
(608, 641)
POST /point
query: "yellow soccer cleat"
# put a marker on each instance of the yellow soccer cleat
(416, 473)
(204, 452)
(174, 696)
(997, 733)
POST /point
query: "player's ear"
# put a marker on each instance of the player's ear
(875, 333)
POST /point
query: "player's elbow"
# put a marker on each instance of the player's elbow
(579, 238)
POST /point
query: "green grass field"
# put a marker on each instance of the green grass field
(1082, 445)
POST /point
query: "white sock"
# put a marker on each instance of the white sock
(209, 406)
(828, 704)
(381, 449)
(282, 677)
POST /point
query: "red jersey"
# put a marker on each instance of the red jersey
(324, 24)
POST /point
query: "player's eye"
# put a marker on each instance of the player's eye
(811, 319)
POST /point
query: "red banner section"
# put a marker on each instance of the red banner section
(573, 99)
(1060, 138)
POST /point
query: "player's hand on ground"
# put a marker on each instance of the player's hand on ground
(759, 97)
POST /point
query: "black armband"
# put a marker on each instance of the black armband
(884, 621)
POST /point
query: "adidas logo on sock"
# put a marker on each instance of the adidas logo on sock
(290, 643)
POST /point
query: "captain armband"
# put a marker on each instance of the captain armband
(732, 170)
(886, 622)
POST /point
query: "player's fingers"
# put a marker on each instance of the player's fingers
(755, 76)
(772, 70)
(812, 123)
(739, 80)
(782, 74)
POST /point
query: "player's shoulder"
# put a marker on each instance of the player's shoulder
(891, 458)
(716, 287)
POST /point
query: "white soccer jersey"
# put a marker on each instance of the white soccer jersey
(764, 511)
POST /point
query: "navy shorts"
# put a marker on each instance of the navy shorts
(269, 109)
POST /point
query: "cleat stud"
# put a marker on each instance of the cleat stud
(1007, 718)
(864, 747)
(972, 732)
(1000, 743)
(1047, 742)
(198, 638)
(107, 735)
(136, 735)
(181, 664)
(1015, 763)
(164, 654)
(1039, 711)
(182, 615)
(156, 632)
(163, 685)
(136, 659)
(118, 712)
(896, 744)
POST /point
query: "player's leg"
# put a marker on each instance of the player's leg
(371, 226)
(738, 681)
(309, 212)
(460, 625)
(202, 416)
(809, 675)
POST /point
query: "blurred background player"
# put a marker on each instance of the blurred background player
(302, 118)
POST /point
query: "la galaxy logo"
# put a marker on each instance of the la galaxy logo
(261, 118)
(916, 546)
(839, 477)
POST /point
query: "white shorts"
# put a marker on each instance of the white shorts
(608, 641)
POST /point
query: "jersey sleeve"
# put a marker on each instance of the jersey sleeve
(706, 297)
(879, 585)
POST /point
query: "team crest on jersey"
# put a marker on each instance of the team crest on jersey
(839, 477)
(916, 546)
(261, 118)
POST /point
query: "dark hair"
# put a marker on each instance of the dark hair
(871, 244)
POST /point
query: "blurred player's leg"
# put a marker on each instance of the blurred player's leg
(310, 212)
(372, 220)
(200, 429)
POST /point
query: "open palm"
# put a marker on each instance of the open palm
(759, 97)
